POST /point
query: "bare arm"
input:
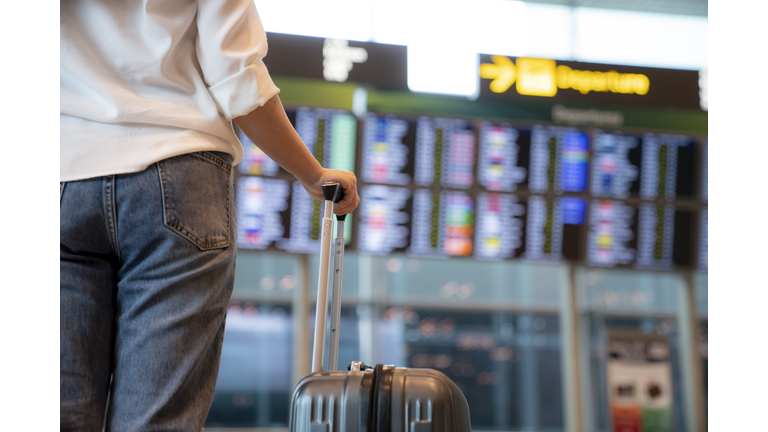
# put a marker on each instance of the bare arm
(268, 127)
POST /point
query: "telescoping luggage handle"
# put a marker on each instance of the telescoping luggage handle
(333, 193)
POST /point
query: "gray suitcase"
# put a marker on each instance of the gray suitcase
(365, 399)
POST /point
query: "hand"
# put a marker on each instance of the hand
(348, 183)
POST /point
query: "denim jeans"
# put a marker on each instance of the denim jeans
(147, 268)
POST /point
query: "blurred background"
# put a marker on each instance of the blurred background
(533, 220)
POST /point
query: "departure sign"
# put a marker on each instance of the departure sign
(388, 145)
(442, 224)
(384, 219)
(499, 226)
(260, 202)
(445, 153)
(559, 158)
(499, 161)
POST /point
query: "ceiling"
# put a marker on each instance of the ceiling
(677, 7)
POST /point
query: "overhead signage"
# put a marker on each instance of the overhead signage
(541, 77)
(338, 59)
(381, 65)
(532, 78)
(386, 67)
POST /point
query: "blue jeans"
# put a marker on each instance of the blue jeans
(147, 268)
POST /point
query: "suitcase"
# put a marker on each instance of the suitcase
(364, 398)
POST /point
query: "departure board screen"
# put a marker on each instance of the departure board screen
(331, 136)
(705, 170)
(559, 160)
(611, 234)
(500, 221)
(666, 168)
(278, 211)
(440, 188)
(552, 228)
(703, 252)
(442, 224)
(655, 237)
(501, 166)
(614, 175)
(651, 166)
(651, 236)
(388, 150)
(445, 153)
(260, 206)
(254, 161)
(384, 219)
(306, 215)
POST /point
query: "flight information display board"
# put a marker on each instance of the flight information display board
(703, 252)
(441, 188)
(445, 153)
(260, 206)
(651, 166)
(651, 236)
(705, 171)
(666, 166)
(255, 162)
(384, 215)
(552, 228)
(609, 242)
(500, 222)
(278, 211)
(331, 136)
(443, 224)
(613, 173)
(501, 166)
(559, 160)
(388, 150)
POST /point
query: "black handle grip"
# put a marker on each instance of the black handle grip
(332, 191)
(329, 190)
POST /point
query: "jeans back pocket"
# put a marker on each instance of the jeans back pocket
(196, 194)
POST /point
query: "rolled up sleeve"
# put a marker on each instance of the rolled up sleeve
(231, 45)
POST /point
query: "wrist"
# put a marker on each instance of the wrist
(312, 176)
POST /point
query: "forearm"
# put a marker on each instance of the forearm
(271, 131)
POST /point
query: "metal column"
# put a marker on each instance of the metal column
(693, 386)
(569, 331)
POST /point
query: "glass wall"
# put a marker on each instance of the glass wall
(491, 327)
(494, 328)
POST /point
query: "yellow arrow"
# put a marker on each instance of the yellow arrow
(502, 72)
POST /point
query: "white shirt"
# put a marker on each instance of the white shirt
(145, 80)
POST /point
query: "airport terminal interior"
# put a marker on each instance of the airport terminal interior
(533, 217)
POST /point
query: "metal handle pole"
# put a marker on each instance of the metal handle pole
(322, 289)
(338, 264)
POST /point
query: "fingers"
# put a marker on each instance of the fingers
(347, 205)
(348, 182)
